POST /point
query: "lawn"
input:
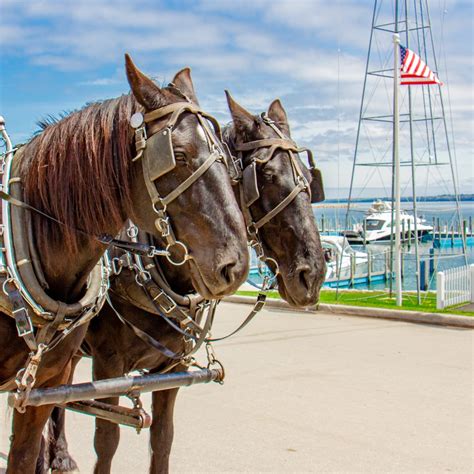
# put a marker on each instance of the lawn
(376, 299)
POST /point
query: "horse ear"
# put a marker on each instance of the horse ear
(143, 88)
(243, 119)
(278, 114)
(182, 80)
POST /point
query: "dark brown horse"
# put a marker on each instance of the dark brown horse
(292, 240)
(80, 171)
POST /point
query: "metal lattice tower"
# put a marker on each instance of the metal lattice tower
(424, 136)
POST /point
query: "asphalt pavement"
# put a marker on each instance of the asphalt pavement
(315, 393)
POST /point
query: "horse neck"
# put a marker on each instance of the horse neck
(66, 273)
(78, 170)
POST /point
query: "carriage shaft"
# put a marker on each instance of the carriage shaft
(118, 386)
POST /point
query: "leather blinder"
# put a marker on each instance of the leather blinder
(250, 185)
(158, 154)
(317, 187)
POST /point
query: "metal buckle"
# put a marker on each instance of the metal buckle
(171, 303)
(23, 322)
(260, 303)
(117, 265)
(258, 249)
(163, 225)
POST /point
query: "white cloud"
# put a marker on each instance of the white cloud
(309, 53)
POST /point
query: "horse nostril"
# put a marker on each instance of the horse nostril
(227, 273)
(305, 278)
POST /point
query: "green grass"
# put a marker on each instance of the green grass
(376, 299)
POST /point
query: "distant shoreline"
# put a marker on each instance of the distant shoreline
(440, 198)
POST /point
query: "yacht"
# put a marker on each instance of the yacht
(377, 225)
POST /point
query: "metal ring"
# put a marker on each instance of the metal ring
(142, 276)
(185, 257)
(132, 231)
(277, 268)
(159, 211)
(6, 282)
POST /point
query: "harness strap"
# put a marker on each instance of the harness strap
(47, 332)
(214, 156)
(145, 337)
(270, 215)
(284, 143)
(259, 304)
(24, 326)
(142, 249)
(167, 305)
(169, 109)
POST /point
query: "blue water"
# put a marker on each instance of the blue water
(444, 258)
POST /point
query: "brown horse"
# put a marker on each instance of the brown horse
(294, 244)
(80, 171)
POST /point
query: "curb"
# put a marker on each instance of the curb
(367, 312)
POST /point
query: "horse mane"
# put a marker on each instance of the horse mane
(78, 170)
(229, 135)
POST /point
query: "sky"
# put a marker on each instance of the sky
(56, 56)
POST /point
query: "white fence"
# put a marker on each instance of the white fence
(455, 286)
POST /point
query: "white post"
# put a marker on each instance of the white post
(471, 275)
(440, 290)
(396, 161)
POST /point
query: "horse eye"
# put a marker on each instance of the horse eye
(268, 176)
(179, 156)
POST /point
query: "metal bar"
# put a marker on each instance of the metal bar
(396, 125)
(134, 417)
(450, 154)
(118, 386)
(396, 161)
(361, 110)
(413, 185)
(389, 119)
(402, 163)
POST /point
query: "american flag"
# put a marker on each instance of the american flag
(414, 70)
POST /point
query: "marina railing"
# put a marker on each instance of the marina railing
(455, 286)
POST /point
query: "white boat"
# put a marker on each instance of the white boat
(344, 264)
(377, 226)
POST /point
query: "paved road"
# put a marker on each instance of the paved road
(316, 393)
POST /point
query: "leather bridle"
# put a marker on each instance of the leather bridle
(185, 318)
(157, 164)
(246, 177)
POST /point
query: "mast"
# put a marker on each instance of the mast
(413, 176)
(422, 142)
(396, 168)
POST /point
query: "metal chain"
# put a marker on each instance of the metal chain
(26, 378)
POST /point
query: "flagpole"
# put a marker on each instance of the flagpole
(396, 161)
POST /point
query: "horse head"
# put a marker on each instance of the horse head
(183, 171)
(277, 191)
